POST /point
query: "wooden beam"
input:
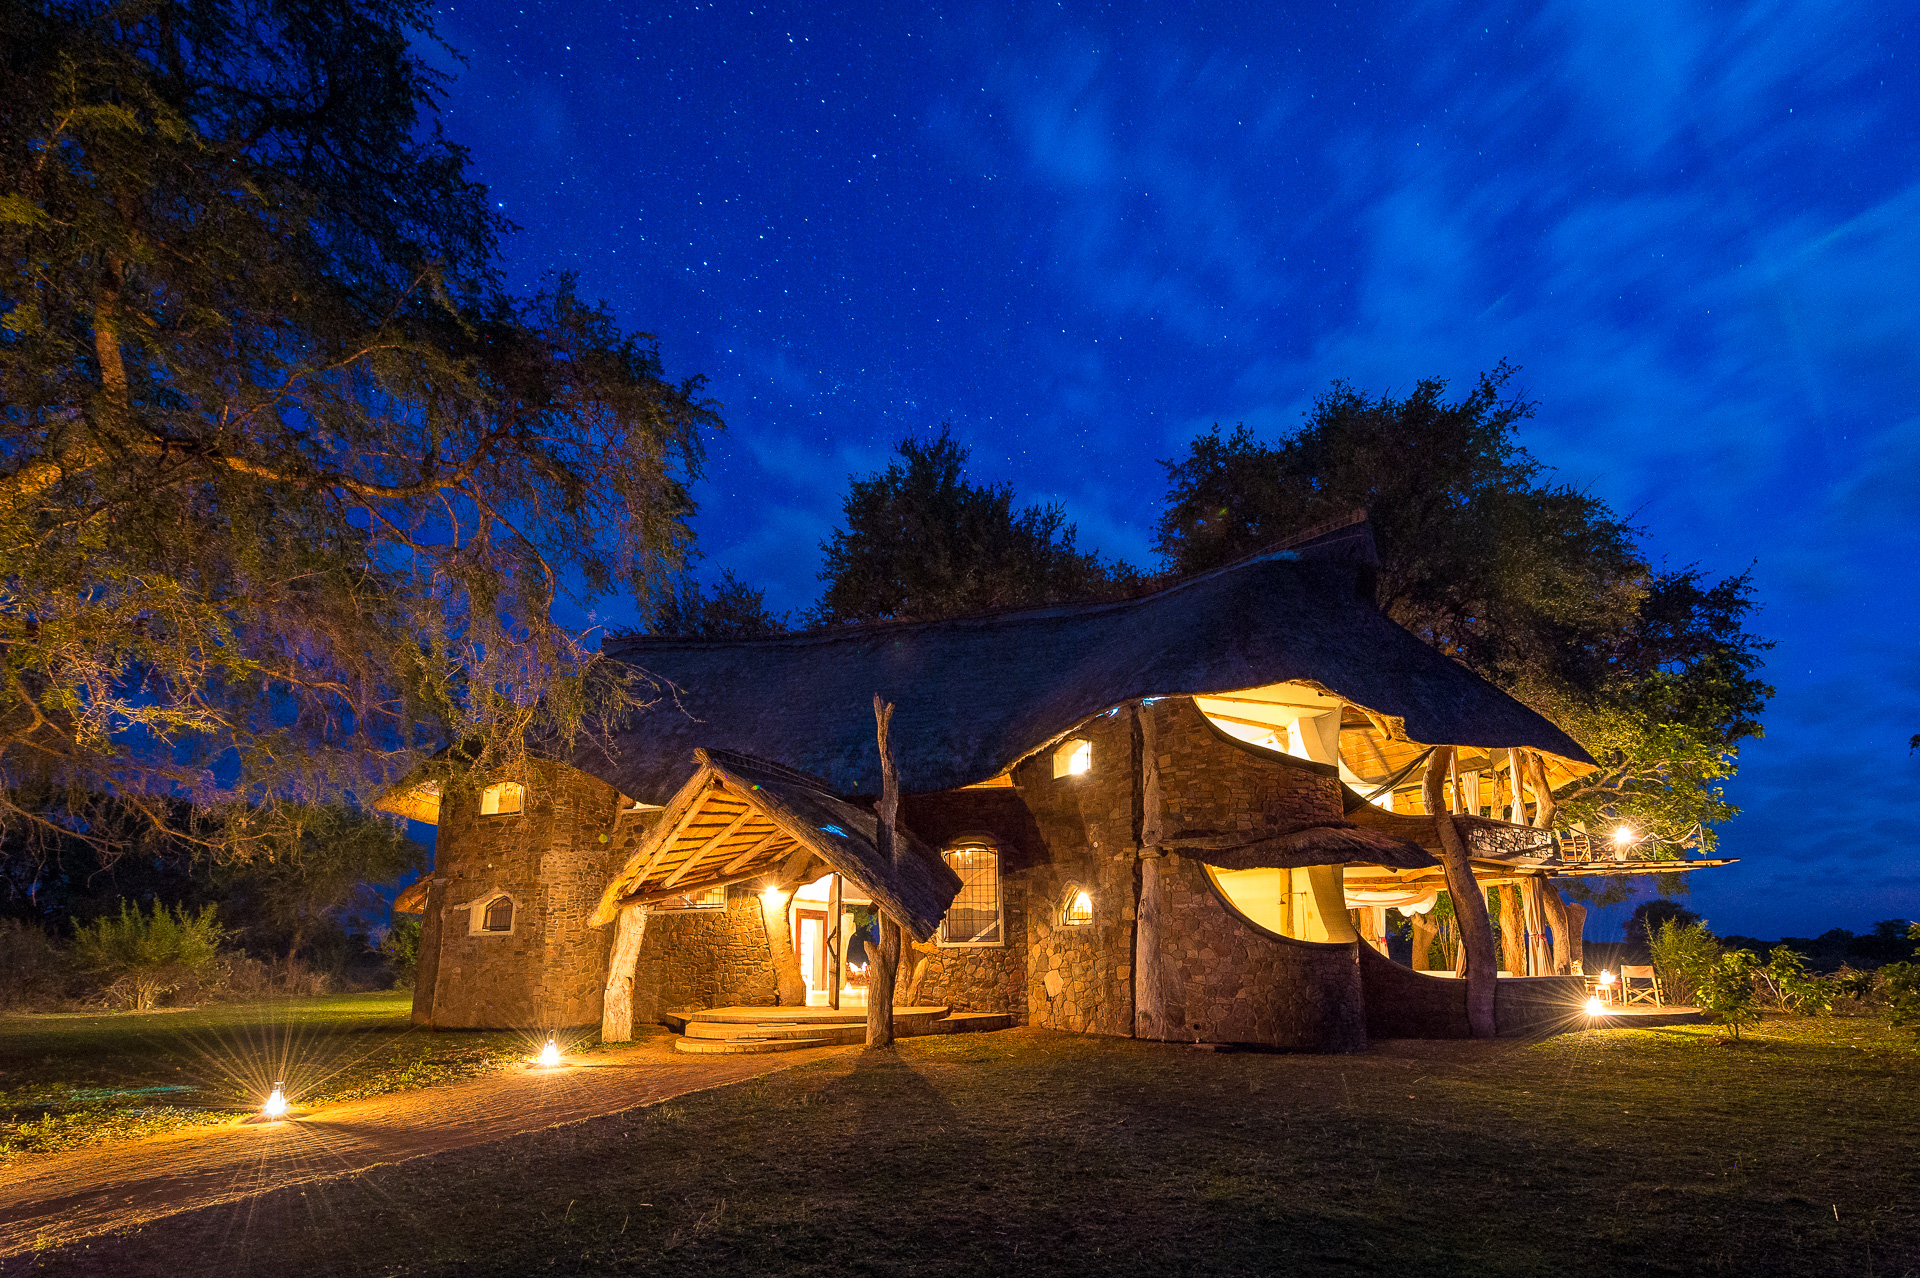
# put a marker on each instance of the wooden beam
(775, 833)
(657, 895)
(616, 1005)
(694, 857)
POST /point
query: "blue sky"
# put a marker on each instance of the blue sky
(1085, 233)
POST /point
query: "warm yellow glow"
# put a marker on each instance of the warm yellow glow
(550, 1054)
(1622, 836)
(771, 896)
(1606, 977)
(1593, 1006)
(1081, 759)
(1080, 909)
(275, 1106)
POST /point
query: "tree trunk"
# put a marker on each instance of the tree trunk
(922, 955)
(1556, 912)
(883, 965)
(790, 986)
(1423, 933)
(1543, 805)
(616, 1005)
(1576, 936)
(1469, 906)
(1513, 932)
(1149, 987)
(884, 962)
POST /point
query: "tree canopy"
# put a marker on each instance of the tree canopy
(289, 483)
(920, 541)
(731, 610)
(1534, 584)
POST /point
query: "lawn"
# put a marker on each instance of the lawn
(1608, 1152)
(70, 1080)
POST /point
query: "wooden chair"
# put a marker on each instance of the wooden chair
(1641, 985)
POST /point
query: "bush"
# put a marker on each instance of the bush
(401, 945)
(1794, 988)
(1726, 990)
(1900, 983)
(33, 972)
(1683, 952)
(139, 956)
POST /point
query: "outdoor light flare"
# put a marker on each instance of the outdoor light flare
(1622, 836)
(1594, 1007)
(275, 1105)
(550, 1054)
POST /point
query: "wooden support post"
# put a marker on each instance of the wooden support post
(616, 1004)
(1534, 910)
(1513, 931)
(1420, 926)
(1469, 906)
(830, 937)
(1556, 912)
(923, 954)
(1543, 804)
(790, 986)
(884, 958)
(1576, 935)
(1149, 986)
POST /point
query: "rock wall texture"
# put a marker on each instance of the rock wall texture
(695, 959)
(553, 858)
(1215, 789)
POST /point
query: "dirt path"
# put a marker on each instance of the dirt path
(57, 1198)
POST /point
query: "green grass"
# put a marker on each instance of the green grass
(71, 1080)
(1608, 1153)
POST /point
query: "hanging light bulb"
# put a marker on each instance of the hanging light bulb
(275, 1105)
(550, 1054)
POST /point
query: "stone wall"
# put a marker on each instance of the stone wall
(1230, 982)
(553, 857)
(983, 978)
(1402, 1003)
(1218, 792)
(695, 959)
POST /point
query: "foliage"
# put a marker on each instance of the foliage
(733, 610)
(1683, 951)
(1650, 916)
(1900, 984)
(1794, 987)
(32, 968)
(920, 541)
(319, 866)
(146, 955)
(401, 945)
(1724, 990)
(289, 486)
(1535, 585)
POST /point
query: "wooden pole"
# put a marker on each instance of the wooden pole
(884, 960)
(1421, 927)
(1149, 987)
(616, 1004)
(1513, 932)
(830, 937)
(1576, 935)
(790, 987)
(1543, 805)
(1556, 911)
(1469, 907)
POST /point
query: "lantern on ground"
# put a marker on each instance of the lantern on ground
(275, 1106)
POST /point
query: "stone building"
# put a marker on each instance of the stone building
(1185, 816)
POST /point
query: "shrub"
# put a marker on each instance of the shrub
(32, 970)
(1726, 990)
(401, 945)
(1793, 987)
(1683, 953)
(1900, 982)
(139, 956)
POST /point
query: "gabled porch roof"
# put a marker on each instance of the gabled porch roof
(739, 819)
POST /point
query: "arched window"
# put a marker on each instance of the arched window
(503, 798)
(1078, 911)
(498, 916)
(1071, 758)
(975, 917)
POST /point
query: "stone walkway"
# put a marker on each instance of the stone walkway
(57, 1198)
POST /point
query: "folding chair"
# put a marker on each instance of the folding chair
(1641, 985)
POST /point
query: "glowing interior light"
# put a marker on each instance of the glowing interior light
(1593, 1006)
(550, 1054)
(1081, 760)
(275, 1105)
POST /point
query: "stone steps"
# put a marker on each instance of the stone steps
(737, 1030)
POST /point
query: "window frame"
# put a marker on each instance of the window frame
(499, 789)
(1064, 754)
(976, 843)
(477, 914)
(1073, 893)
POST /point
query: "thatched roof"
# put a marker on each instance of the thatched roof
(739, 819)
(975, 694)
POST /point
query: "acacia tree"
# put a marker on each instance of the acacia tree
(289, 485)
(921, 542)
(1533, 584)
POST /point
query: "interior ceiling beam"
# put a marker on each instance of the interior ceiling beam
(775, 833)
(712, 841)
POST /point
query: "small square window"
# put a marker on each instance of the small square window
(498, 916)
(974, 918)
(1073, 758)
(1079, 911)
(503, 799)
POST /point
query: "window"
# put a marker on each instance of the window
(974, 918)
(498, 916)
(1079, 910)
(503, 799)
(1073, 758)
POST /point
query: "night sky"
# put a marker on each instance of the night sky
(1085, 234)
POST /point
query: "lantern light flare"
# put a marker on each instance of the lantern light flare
(550, 1054)
(1594, 1007)
(275, 1106)
(1623, 836)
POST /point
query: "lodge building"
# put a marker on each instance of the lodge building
(1181, 816)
